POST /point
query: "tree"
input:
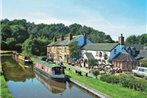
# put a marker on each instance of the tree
(132, 40)
(42, 34)
(11, 43)
(143, 39)
(91, 62)
(75, 28)
(74, 50)
(6, 32)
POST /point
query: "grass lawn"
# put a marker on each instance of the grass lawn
(4, 91)
(112, 90)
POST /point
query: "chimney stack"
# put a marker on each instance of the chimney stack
(70, 37)
(121, 40)
(55, 39)
(61, 37)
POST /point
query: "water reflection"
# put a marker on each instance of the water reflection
(14, 71)
(53, 86)
(25, 83)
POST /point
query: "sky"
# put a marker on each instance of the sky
(113, 17)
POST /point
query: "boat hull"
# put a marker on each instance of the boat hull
(53, 77)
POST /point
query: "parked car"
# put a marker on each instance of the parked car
(140, 71)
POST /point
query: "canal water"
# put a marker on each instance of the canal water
(28, 83)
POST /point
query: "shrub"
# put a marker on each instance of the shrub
(126, 81)
(95, 72)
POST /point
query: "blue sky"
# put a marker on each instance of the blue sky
(111, 16)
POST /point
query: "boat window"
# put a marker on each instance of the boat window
(58, 70)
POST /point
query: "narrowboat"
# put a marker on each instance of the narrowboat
(51, 70)
(22, 58)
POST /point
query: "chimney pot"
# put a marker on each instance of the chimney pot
(121, 40)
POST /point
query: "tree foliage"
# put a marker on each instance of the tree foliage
(133, 39)
(29, 37)
(74, 50)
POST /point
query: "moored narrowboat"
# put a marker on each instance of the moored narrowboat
(51, 70)
(22, 58)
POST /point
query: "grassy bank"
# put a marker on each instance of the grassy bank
(112, 90)
(5, 93)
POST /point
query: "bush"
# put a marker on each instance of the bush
(126, 81)
(110, 78)
(95, 72)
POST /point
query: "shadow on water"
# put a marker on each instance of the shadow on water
(29, 83)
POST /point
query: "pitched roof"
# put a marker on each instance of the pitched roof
(64, 42)
(124, 57)
(89, 55)
(142, 53)
(136, 46)
(100, 46)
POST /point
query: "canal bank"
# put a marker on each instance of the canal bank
(89, 89)
(112, 90)
(4, 90)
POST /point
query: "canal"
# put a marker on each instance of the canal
(27, 83)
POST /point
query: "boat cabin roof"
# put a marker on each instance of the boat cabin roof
(49, 64)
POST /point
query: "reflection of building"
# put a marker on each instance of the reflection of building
(53, 86)
(104, 52)
(59, 49)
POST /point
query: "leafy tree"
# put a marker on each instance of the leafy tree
(11, 43)
(74, 50)
(30, 37)
(6, 32)
(143, 39)
(75, 28)
(132, 40)
(91, 62)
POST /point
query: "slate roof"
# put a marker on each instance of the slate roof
(137, 46)
(89, 55)
(142, 53)
(64, 42)
(100, 46)
(124, 57)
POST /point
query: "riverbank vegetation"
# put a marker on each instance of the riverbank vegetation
(112, 90)
(5, 93)
(126, 81)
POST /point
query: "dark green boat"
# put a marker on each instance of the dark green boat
(51, 70)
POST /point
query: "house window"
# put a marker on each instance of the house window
(115, 51)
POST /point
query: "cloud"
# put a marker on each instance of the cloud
(96, 21)
(74, 12)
